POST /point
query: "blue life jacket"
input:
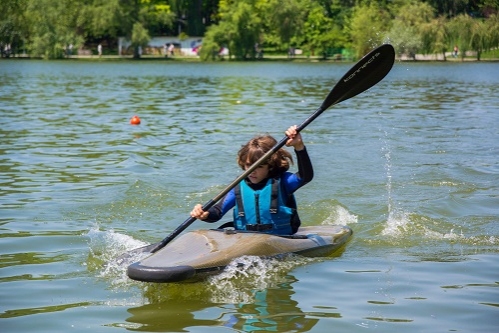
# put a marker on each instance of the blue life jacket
(263, 210)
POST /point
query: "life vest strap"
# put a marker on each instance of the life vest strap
(259, 227)
(239, 199)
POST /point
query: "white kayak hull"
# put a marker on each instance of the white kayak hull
(202, 252)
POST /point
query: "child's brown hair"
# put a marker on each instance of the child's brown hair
(278, 162)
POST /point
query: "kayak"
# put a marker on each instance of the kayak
(199, 253)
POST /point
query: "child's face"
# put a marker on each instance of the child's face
(259, 174)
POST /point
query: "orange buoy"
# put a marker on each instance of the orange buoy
(135, 120)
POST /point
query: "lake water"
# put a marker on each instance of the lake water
(410, 165)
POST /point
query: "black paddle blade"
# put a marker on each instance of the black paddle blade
(371, 69)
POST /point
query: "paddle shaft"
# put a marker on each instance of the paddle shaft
(371, 69)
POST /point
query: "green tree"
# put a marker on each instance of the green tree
(488, 8)
(452, 8)
(246, 31)
(406, 33)
(139, 38)
(240, 28)
(142, 16)
(193, 16)
(54, 25)
(470, 34)
(493, 29)
(436, 37)
(480, 37)
(484, 35)
(107, 20)
(13, 27)
(321, 34)
(338, 10)
(283, 20)
(215, 38)
(367, 27)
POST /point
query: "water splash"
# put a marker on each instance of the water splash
(340, 215)
(407, 226)
(397, 220)
(238, 282)
(329, 212)
(396, 224)
(105, 247)
(404, 224)
(388, 168)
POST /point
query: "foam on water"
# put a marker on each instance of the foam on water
(413, 228)
(401, 223)
(340, 215)
(238, 282)
(396, 224)
(106, 246)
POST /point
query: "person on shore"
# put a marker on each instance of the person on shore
(264, 201)
(99, 50)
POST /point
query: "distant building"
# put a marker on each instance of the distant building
(185, 47)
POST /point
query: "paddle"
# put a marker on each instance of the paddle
(371, 69)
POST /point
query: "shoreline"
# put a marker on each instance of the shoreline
(268, 58)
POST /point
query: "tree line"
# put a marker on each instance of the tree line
(250, 28)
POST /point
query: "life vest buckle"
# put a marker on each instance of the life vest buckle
(259, 227)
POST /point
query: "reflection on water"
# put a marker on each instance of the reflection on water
(411, 165)
(44, 309)
(266, 309)
(171, 316)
